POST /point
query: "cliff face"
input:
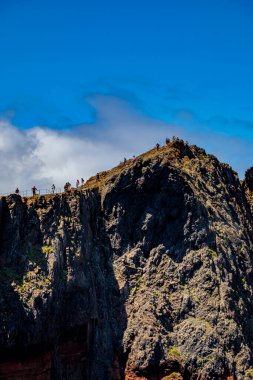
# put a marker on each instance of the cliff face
(144, 274)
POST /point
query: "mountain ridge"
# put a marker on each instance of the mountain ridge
(145, 273)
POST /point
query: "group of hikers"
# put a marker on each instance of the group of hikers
(67, 185)
(34, 190)
(79, 183)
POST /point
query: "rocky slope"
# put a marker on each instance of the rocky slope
(144, 274)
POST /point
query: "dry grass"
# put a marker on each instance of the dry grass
(104, 177)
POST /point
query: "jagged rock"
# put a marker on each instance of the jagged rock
(249, 178)
(145, 273)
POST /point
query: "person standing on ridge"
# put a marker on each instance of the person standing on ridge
(82, 181)
(34, 189)
(157, 146)
(53, 188)
(67, 186)
(77, 183)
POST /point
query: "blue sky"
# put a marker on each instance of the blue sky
(184, 63)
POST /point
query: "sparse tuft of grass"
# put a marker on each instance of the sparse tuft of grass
(213, 253)
(248, 374)
(175, 354)
(47, 249)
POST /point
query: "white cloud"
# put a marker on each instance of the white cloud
(43, 156)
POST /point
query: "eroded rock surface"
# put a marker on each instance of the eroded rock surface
(144, 274)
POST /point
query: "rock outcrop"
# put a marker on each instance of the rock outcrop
(146, 273)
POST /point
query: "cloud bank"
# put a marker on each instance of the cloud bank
(41, 156)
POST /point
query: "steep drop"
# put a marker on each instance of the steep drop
(145, 274)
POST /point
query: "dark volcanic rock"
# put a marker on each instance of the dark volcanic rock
(146, 273)
(249, 178)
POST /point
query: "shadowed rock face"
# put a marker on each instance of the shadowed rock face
(249, 178)
(144, 275)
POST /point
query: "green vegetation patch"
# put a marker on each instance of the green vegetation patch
(33, 284)
(213, 253)
(47, 249)
(174, 353)
(248, 374)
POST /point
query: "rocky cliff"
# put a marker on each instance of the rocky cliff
(146, 273)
